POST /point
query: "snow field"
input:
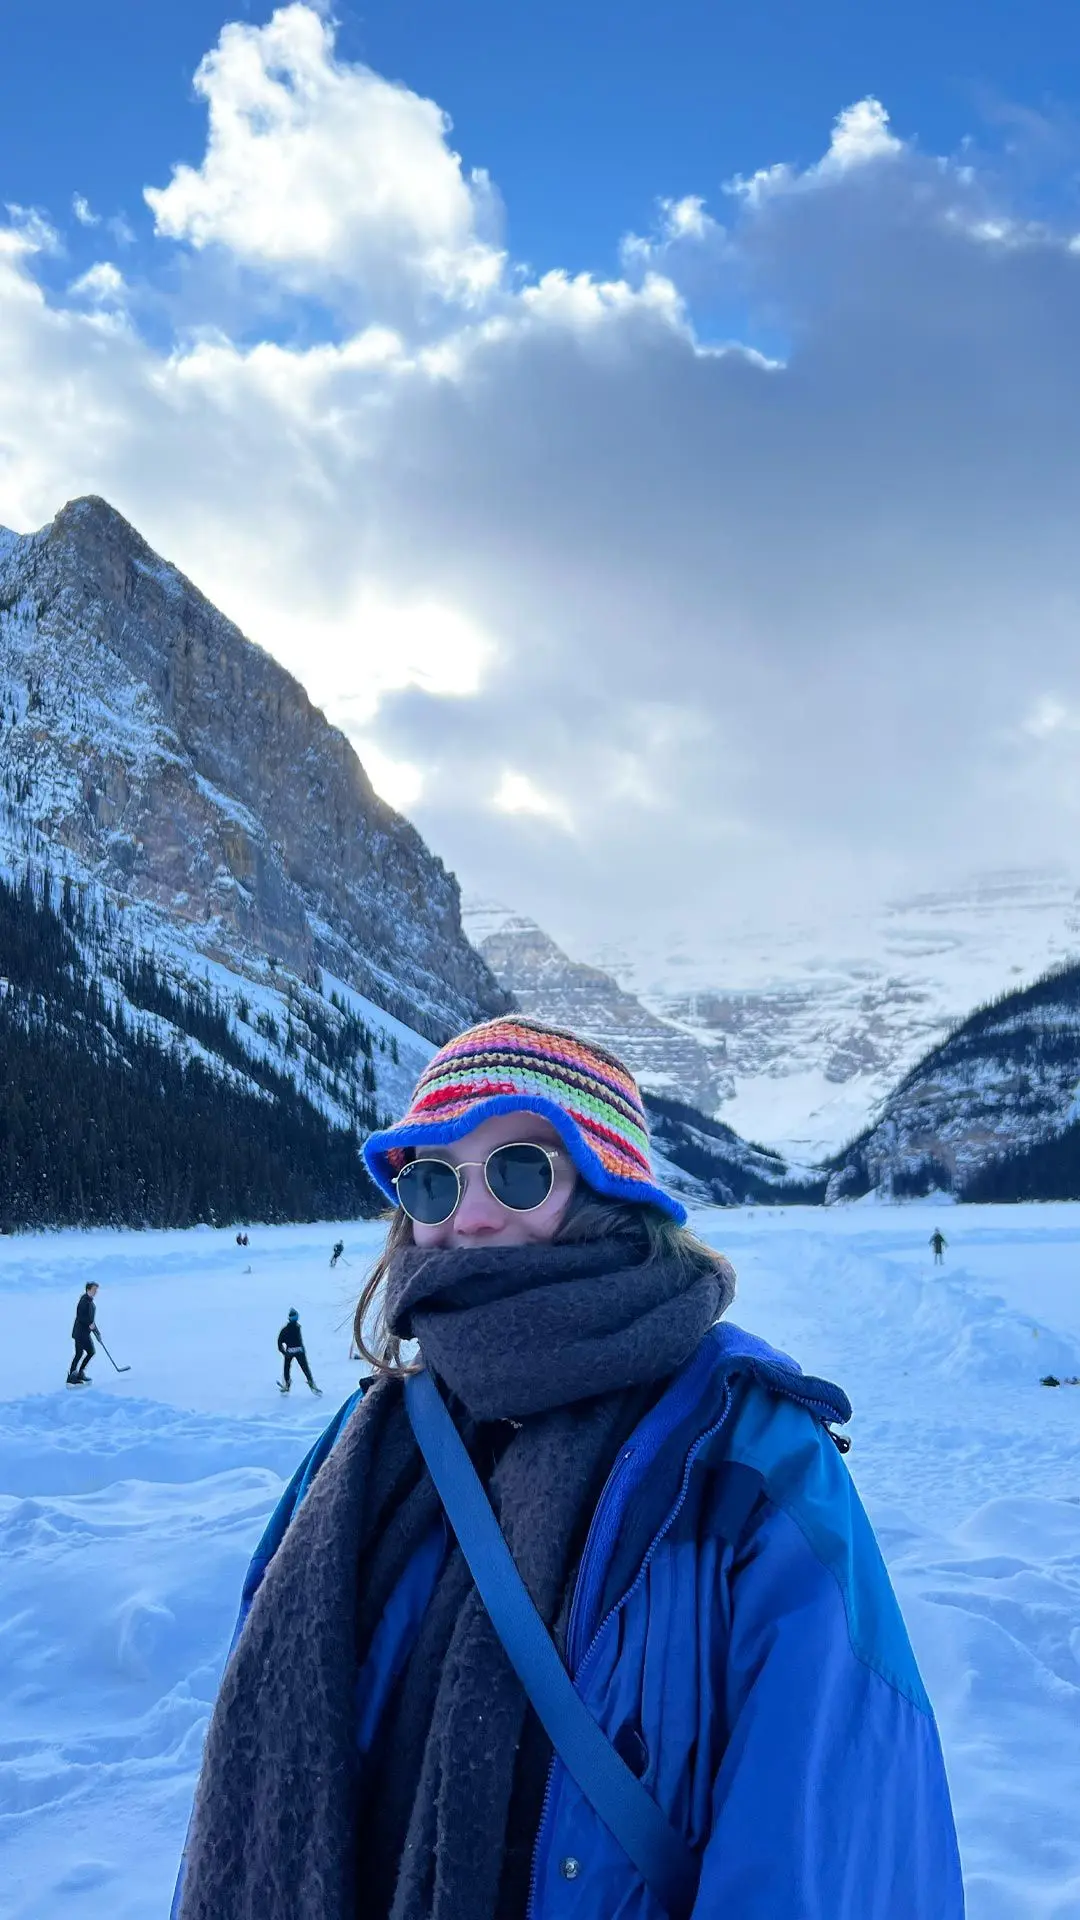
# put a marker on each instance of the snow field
(970, 1470)
(127, 1512)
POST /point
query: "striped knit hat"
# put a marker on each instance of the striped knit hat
(517, 1065)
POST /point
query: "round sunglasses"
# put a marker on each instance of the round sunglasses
(519, 1176)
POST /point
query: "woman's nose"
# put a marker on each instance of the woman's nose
(478, 1211)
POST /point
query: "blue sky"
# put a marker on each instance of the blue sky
(583, 113)
(678, 490)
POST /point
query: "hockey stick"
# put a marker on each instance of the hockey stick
(108, 1355)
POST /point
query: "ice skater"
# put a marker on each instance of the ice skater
(82, 1334)
(939, 1244)
(339, 1248)
(291, 1343)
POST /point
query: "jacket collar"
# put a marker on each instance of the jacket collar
(733, 1351)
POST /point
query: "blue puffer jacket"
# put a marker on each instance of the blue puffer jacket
(734, 1631)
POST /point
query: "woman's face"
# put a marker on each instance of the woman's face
(480, 1220)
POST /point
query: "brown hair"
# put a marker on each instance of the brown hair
(589, 1216)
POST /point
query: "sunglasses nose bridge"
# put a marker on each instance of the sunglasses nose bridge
(475, 1207)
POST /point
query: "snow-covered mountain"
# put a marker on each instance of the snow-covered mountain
(230, 869)
(706, 1160)
(201, 853)
(545, 982)
(683, 1079)
(815, 1025)
(179, 765)
(202, 897)
(794, 1040)
(993, 1113)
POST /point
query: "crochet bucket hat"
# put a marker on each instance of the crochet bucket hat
(516, 1065)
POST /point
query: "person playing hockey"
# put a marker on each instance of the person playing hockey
(291, 1344)
(939, 1244)
(82, 1331)
(339, 1248)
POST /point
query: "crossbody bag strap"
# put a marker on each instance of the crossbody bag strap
(662, 1857)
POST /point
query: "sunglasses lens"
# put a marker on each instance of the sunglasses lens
(427, 1191)
(520, 1176)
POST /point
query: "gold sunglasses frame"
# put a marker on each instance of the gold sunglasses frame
(551, 1154)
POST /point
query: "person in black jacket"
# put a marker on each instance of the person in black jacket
(291, 1343)
(81, 1332)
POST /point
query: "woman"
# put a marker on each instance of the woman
(685, 1525)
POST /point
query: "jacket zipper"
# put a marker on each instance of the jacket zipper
(600, 1535)
(660, 1533)
(590, 1550)
(613, 1480)
(819, 1408)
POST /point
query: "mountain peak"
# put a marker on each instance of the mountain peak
(92, 527)
(101, 553)
(166, 755)
(94, 509)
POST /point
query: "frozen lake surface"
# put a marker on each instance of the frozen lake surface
(128, 1511)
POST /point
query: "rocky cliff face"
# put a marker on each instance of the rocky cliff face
(181, 768)
(683, 1079)
(549, 985)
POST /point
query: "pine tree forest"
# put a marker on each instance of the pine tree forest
(108, 1118)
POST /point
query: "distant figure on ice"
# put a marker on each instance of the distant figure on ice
(291, 1343)
(939, 1244)
(241, 1239)
(339, 1248)
(81, 1333)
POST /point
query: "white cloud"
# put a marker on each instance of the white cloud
(681, 225)
(83, 211)
(102, 284)
(1049, 715)
(636, 627)
(516, 793)
(686, 218)
(585, 306)
(419, 644)
(399, 782)
(30, 231)
(329, 178)
(861, 133)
